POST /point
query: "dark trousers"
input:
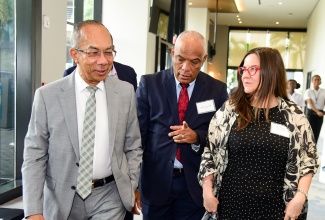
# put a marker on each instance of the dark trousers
(315, 122)
(128, 216)
(179, 205)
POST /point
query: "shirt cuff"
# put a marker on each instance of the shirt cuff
(195, 147)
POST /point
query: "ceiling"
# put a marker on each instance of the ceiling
(256, 13)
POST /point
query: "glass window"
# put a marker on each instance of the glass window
(87, 10)
(237, 47)
(69, 29)
(278, 40)
(70, 11)
(69, 61)
(257, 39)
(232, 82)
(291, 45)
(296, 50)
(7, 91)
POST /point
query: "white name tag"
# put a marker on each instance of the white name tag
(279, 129)
(205, 106)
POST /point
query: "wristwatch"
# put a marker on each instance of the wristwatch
(303, 192)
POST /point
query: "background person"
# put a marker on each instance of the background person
(168, 186)
(54, 152)
(292, 95)
(315, 98)
(261, 154)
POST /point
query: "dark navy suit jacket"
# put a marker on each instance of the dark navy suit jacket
(157, 111)
(124, 73)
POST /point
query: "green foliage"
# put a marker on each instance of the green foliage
(6, 10)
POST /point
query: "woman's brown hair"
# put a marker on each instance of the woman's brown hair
(272, 82)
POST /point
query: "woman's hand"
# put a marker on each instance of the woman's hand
(210, 202)
(294, 207)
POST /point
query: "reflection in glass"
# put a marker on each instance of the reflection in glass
(7, 91)
(162, 25)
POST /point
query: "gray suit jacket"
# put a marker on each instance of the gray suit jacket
(52, 149)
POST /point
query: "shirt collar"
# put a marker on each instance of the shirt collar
(82, 85)
(178, 83)
(113, 71)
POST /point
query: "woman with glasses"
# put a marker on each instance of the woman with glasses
(261, 155)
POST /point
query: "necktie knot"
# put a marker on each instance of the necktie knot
(92, 89)
(184, 85)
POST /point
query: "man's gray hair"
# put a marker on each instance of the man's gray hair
(76, 37)
(193, 35)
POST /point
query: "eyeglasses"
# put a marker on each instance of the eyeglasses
(251, 70)
(95, 54)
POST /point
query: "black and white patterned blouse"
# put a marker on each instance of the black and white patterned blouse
(302, 154)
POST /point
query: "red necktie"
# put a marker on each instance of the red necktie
(182, 106)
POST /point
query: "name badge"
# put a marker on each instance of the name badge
(205, 106)
(279, 129)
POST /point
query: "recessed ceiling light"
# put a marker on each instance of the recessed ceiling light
(240, 22)
(280, 3)
(277, 22)
(237, 16)
(239, 19)
(190, 3)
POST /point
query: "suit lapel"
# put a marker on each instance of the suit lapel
(68, 104)
(197, 93)
(170, 92)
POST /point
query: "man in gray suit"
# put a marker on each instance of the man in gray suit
(53, 144)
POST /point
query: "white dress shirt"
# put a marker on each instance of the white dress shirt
(297, 98)
(102, 150)
(190, 88)
(318, 97)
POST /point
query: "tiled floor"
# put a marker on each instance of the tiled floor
(316, 198)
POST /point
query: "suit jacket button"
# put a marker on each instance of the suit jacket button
(73, 187)
(77, 164)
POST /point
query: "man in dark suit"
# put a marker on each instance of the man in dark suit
(127, 74)
(168, 184)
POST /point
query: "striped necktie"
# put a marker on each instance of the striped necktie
(85, 173)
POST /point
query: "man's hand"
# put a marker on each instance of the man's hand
(183, 134)
(35, 217)
(137, 203)
(320, 113)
